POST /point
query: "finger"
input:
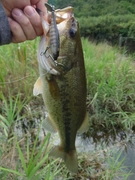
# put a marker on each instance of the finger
(17, 32)
(24, 22)
(39, 4)
(34, 19)
(10, 5)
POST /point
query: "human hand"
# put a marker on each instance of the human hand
(25, 22)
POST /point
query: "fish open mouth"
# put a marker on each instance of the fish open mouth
(64, 14)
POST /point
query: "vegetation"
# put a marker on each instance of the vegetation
(86, 8)
(107, 27)
(110, 102)
(103, 19)
(111, 91)
(110, 98)
(27, 163)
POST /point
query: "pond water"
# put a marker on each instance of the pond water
(129, 154)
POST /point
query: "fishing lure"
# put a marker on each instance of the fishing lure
(54, 34)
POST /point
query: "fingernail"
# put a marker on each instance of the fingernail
(30, 11)
(17, 12)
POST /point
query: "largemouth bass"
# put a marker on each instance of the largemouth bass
(62, 84)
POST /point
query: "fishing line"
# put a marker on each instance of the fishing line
(17, 80)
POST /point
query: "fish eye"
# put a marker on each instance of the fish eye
(72, 32)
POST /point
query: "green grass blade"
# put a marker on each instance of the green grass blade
(44, 144)
(5, 121)
(11, 171)
(36, 168)
(32, 165)
(22, 158)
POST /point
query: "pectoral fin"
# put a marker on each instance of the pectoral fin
(37, 87)
(85, 125)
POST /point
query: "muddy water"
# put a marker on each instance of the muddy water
(129, 154)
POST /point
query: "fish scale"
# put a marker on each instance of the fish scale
(64, 93)
(66, 115)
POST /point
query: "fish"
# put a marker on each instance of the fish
(63, 85)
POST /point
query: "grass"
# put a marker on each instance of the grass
(111, 90)
(110, 102)
(19, 69)
(29, 164)
(11, 109)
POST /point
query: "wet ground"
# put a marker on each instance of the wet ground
(129, 155)
(122, 143)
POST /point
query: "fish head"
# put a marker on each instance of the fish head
(68, 29)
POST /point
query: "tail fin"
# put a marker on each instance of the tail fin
(69, 158)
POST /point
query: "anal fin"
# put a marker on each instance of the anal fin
(48, 125)
(85, 124)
